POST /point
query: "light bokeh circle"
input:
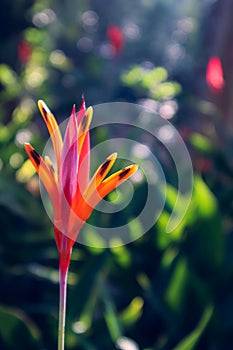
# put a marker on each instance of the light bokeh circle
(143, 137)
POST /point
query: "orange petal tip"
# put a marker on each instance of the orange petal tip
(28, 146)
(128, 171)
(33, 154)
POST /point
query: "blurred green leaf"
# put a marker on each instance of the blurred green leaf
(15, 327)
(111, 317)
(175, 293)
(177, 235)
(201, 143)
(122, 255)
(84, 295)
(152, 80)
(165, 90)
(7, 75)
(208, 225)
(133, 312)
(205, 200)
(191, 341)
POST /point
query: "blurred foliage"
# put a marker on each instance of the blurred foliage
(152, 82)
(163, 291)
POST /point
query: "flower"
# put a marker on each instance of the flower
(214, 74)
(116, 38)
(72, 194)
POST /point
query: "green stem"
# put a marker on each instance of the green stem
(62, 308)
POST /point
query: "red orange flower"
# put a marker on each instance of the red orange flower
(72, 194)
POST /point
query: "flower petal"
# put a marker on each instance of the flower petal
(84, 147)
(45, 174)
(83, 127)
(84, 141)
(69, 160)
(53, 129)
(82, 110)
(49, 164)
(84, 117)
(97, 178)
(116, 179)
(100, 174)
(88, 203)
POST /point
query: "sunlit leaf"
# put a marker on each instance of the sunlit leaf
(133, 312)
(111, 317)
(191, 341)
(177, 286)
(208, 224)
(201, 143)
(122, 255)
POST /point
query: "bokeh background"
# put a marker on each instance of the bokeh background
(162, 291)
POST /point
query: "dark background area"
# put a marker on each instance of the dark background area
(163, 291)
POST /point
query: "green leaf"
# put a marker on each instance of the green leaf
(208, 237)
(163, 238)
(7, 76)
(177, 287)
(206, 202)
(84, 295)
(201, 143)
(190, 342)
(154, 81)
(14, 324)
(165, 90)
(122, 255)
(110, 316)
(132, 312)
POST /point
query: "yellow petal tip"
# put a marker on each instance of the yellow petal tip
(44, 110)
(41, 104)
(89, 110)
(112, 156)
(135, 166)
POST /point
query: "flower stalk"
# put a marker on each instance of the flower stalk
(63, 274)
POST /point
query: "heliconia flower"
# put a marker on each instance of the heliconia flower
(214, 74)
(73, 195)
